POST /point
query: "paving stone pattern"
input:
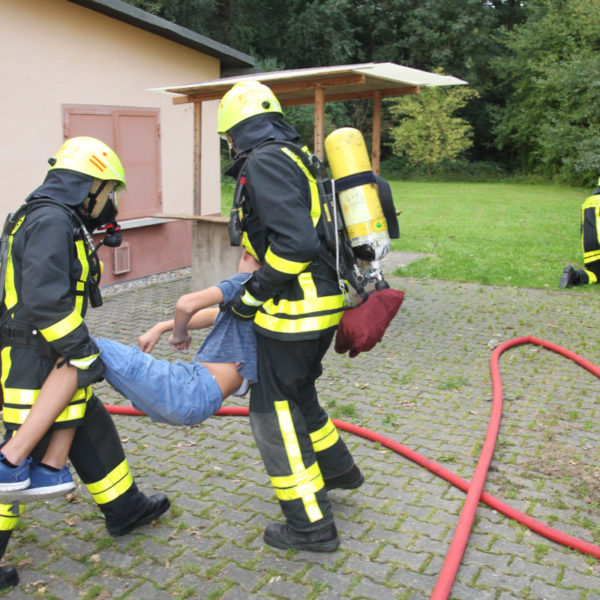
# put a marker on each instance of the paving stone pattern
(427, 386)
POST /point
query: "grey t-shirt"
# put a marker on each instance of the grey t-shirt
(231, 339)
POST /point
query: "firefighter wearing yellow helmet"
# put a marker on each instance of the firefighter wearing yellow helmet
(50, 273)
(590, 245)
(295, 303)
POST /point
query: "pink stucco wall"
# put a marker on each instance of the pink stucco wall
(54, 53)
(153, 249)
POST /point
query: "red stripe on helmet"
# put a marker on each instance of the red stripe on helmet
(97, 162)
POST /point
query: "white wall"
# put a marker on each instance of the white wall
(53, 52)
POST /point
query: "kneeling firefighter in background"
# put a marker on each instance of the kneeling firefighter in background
(590, 244)
(296, 304)
(50, 270)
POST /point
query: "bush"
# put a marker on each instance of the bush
(460, 170)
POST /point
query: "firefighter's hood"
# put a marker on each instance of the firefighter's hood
(64, 186)
(254, 131)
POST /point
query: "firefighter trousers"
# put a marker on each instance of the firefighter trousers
(297, 440)
(98, 457)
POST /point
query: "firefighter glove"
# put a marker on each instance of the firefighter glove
(244, 305)
(93, 374)
(90, 368)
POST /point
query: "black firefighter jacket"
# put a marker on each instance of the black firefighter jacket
(279, 216)
(46, 298)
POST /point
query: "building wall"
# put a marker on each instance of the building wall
(54, 52)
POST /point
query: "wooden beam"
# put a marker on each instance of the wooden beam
(319, 122)
(283, 87)
(197, 199)
(287, 87)
(376, 133)
(341, 97)
(182, 100)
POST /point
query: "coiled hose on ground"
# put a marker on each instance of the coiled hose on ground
(474, 488)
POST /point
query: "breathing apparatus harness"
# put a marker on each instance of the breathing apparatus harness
(336, 251)
(21, 333)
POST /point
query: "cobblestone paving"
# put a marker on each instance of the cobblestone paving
(427, 386)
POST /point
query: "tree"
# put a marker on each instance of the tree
(552, 114)
(428, 133)
(459, 35)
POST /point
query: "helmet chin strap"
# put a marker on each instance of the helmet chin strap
(93, 197)
(233, 154)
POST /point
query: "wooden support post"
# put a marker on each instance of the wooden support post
(376, 134)
(197, 200)
(319, 122)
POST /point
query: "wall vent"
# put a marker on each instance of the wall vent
(121, 259)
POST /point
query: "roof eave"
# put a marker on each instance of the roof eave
(233, 62)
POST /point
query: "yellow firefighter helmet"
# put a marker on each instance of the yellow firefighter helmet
(244, 100)
(89, 156)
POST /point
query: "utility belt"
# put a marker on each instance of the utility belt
(22, 335)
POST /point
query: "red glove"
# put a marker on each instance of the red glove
(363, 326)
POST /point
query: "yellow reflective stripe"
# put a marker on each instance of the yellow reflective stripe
(249, 300)
(592, 201)
(8, 523)
(290, 267)
(592, 276)
(26, 397)
(302, 477)
(18, 415)
(72, 412)
(325, 437)
(305, 491)
(63, 327)
(116, 483)
(248, 246)
(310, 304)
(9, 515)
(311, 506)
(85, 268)
(6, 364)
(315, 204)
(301, 491)
(591, 255)
(288, 432)
(84, 363)
(20, 397)
(18, 403)
(11, 298)
(307, 283)
(284, 325)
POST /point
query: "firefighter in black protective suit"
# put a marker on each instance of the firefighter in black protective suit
(51, 272)
(590, 245)
(296, 304)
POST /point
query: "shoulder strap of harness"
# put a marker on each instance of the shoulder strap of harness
(335, 249)
(11, 221)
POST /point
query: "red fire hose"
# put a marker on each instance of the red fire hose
(474, 488)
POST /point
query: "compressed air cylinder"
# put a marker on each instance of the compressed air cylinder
(357, 193)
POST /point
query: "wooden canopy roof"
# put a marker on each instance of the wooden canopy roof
(317, 86)
(346, 82)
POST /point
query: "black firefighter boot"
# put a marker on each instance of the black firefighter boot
(157, 505)
(8, 574)
(280, 535)
(350, 480)
(569, 277)
(8, 577)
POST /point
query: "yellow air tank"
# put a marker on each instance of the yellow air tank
(356, 188)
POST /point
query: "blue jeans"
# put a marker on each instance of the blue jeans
(178, 393)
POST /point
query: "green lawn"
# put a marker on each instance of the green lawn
(493, 233)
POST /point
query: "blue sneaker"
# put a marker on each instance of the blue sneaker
(46, 483)
(14, 478)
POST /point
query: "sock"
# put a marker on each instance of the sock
(53, 469)
(8, 463)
